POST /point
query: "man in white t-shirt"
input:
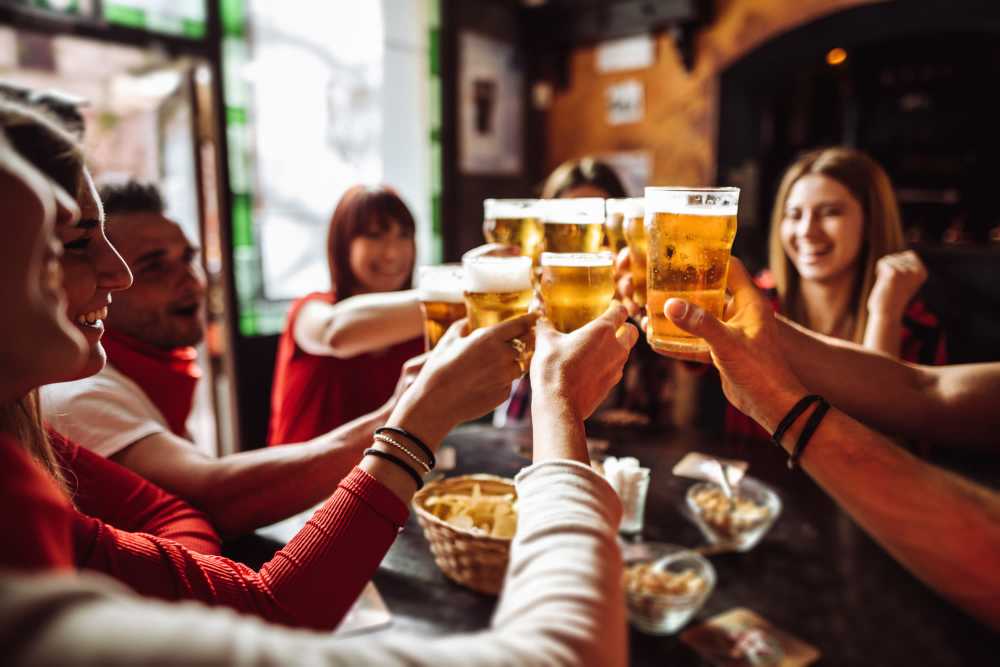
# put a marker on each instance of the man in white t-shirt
(138, 410)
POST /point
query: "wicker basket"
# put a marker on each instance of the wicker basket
(476, 561)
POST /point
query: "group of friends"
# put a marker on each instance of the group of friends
(116, 517)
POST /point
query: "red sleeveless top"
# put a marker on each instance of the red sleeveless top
(313, 395)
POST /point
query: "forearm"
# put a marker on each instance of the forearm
(557, 432)
(372, 322)
(942, 528)
(889, 395)
(884, 333)
(953, 405)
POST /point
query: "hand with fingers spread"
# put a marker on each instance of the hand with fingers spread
(745, 348)
(898, 278)
(463, 378)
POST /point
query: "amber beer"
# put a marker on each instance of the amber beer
(574, 225)
(498, 289)
(514, 222)
(614, 223)
(576, 287)
(633, 211)
(439, 289)
(690, 235)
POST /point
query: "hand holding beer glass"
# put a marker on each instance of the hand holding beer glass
(576, 287)
(689, 232)
(498, 289)
(574, 225)
(439, 289)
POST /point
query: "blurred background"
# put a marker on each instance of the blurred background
(255, 115)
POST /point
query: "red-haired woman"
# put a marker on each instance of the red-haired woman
(342, 350)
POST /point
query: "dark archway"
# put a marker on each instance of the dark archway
(915, 93)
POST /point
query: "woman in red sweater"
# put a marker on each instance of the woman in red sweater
(342, 350)
(315, 578)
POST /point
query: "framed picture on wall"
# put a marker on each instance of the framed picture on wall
(490, 99)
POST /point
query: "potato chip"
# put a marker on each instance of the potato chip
(477, 512)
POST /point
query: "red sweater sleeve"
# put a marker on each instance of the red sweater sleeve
(119, 497)
(312, 582)
(34, 512)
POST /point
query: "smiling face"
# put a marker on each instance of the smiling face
(165, 305)
(382, 259)
(92, 270)
(822, 228)
(39, 343)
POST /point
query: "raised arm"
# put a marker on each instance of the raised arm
(358, 324)
(898, 278)
(934, 523)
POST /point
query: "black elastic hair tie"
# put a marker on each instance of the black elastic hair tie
(412, 438)
(392, 458)
(807, 432)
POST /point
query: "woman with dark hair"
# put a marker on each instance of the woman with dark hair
(586, 177)
(342, 350)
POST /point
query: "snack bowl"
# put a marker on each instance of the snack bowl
(465, 553)
(738, 526)
(665, 585)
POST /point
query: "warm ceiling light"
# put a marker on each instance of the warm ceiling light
(836, 56)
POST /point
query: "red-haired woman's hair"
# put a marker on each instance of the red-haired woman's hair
(361, 211)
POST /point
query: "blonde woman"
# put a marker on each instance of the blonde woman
(839, 265)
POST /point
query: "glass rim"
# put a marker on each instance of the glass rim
(603, 258)
(678, 188)
(513, 208)
(494, 259)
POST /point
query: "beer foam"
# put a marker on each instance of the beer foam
(512, 208)
(583, 211)
(693, 201)
(588, 259)
(497, 274)
(440, 283)
(633, 207)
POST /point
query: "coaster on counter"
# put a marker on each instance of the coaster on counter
(742, 638)
(702, 467)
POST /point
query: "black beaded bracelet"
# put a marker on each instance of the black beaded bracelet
(392, 458)
(792, 415)
(412, 438)
(807, 432)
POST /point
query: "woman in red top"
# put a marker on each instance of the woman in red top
(839, 265)
(312, 581)
(342, 350)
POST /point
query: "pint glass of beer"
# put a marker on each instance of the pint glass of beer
(574, 225)
(576, 287)
(614, 222)
(439, 289)
(634, 230)
(514, 222)
(690, 234)
(498, 289)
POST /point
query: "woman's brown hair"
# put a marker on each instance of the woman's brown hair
(362, 211)
(868, 183)
(585, 171)
(41, 141)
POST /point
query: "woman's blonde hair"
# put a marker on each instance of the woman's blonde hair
(868, 183)
(45, 144)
